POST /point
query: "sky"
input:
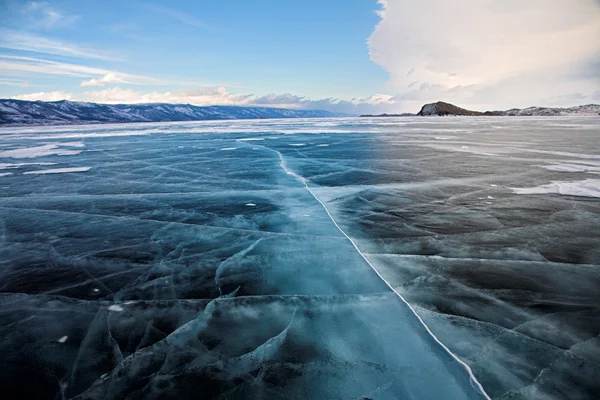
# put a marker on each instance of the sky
(353, 56)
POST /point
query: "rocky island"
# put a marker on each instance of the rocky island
(441, 109)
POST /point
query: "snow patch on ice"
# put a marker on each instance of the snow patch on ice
(297, 144)
(250, 204)
(40, 151)
(566, 154)
(478, 150)
(72, 144)
(322, 145)
(585, 188)
(116, 308)
(5, 173)
(250, 139)
(57, 171)
(18, 165)
(62, 339)
(228, 148)
(572, 167)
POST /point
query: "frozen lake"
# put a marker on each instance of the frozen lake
(414, 258)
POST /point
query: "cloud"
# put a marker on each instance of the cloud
(45, 96)
(28, 42)
(110, 77)
(21, 65)
(184, 18)
(28, 66)
(487, 53)
(13, 82)
(201, 96)
(119, 77)
(205, 96)
(42, 15)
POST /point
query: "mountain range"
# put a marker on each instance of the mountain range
(21, 112)
(441, 108)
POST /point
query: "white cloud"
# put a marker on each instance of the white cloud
(201, 96)
(13, 82)
(46, 96)
(179, 16)
(28, 42)
(21, 65)
(28, 66)
(119, 77)
(42, 15)
(205, 96)
(487, 53)
(110, 77)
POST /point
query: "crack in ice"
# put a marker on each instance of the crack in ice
(304, 182)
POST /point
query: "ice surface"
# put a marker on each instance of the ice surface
(40, 151)
(584, 188)
(570, 167)
(172, 269)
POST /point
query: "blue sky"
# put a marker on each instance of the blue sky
(344, 55)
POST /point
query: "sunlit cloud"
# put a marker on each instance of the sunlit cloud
(206, 96)
(41, 14)
(45, 96)
(179, 16)
(10, 39)
(13, 82)
(508, 53)
(29, 66)
(21, 65)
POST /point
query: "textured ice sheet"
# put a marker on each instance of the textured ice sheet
(584, 188)
(577, 166)
(173, 269)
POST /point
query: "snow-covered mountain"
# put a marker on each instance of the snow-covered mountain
(588, 109)
(20, 112)
(440, 109)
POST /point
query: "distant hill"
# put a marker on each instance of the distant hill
(388, 115)
(588, 109)
(21, 112)
(442, 109)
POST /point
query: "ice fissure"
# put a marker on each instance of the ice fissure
(304, 182)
